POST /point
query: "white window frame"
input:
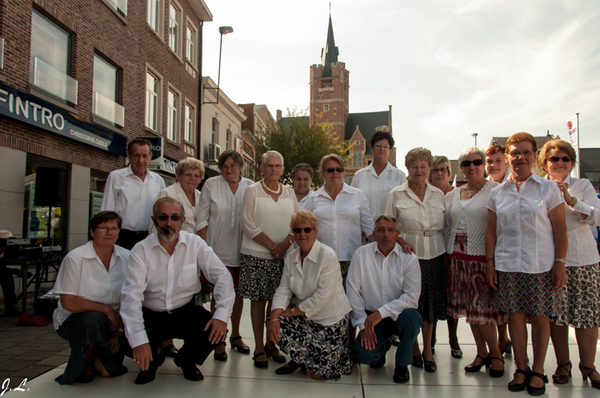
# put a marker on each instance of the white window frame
(228, 139)
(191, 56)
(174, 41)
(156, 8)
(173, 112)
(158, 112)
(104, 107)
(190, 123)
(215, 131)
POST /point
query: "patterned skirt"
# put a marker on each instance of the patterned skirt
(324, 350)
(208, 286)
(579, 305)
(528, 293)
(259, 277)
(468, 291)
(432, 303)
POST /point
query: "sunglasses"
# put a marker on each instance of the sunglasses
(467, 163)
(164, 217)
(305, 229)
(331, 170)
(555, 159)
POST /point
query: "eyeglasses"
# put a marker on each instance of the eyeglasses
(305, 229)
(516, 154)
(440, 170)
(467, 163)
(106, 229)
(164, 217)
(232, 167)
(379, 146)
(331, 170)
(555, 159)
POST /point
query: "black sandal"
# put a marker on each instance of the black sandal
(242, 349)
(516, 387)
(271, 353)
(260, 364)
(537, 390)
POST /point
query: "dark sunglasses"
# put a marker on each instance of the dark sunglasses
(555, 159)
(467, 163)
(332, 169)
(305, 229)
(164, 217)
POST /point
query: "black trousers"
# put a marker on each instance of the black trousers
(128, 239)
(186, 323)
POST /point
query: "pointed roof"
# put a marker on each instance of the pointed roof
(329, 53)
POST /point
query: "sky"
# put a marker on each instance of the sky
(449, 68)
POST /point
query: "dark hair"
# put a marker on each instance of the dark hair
(303, 167)
(105, 216)
(495, 149)
(230, 153)
(140, 142)
(382, 135)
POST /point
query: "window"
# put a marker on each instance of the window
(357, 142)
(172, 116)
(50, 59)
(326, 108)
(174, 26)
(106, 89)
(155, 15)
(153, 93)
(356, 158)
(190, 43)
(215, 131)
(119, 5)
(190, 114)
(229, 138)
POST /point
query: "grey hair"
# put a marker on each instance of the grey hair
(474, 150)
(166, 199)
(387, 217)
(269, 154)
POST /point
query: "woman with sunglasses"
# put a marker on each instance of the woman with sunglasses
(313, 331)
(419, 209)
(525, 249)
(580, 303)
(343, 212)
(468, 292)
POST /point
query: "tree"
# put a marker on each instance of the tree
(299, 141)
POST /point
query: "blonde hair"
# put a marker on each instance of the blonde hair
(306, 216)
(555, 145)
(189, 163)
(418, 153)
(331, 156)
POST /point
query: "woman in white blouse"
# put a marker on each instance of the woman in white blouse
(267, 209)
(580, 304)
(496, 165)
(525, 248)
(314, 331)
(419, 209)
(89, 285)
(218, 223)
(468, 292)
(302, 176)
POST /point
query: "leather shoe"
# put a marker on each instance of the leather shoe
(537, 390)
(260, 364)
(401, 374)
(395, 341)
(289, 368)
(417, 361)
(220, 356)
(242, 349)
(430, 367)
(190, 370)
(170, 351)
(275, 354)
(146, 376)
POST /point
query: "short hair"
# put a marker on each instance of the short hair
(385, 216)
(519, 137)
(437, 160)
(105, 216)
(382, 135)
(166, 199)
(140, 142)
(555, 145)
(230, 153)
(268, 154)
(326, 158)
(303, 167)
(416, 154)
(474, 150)
(304, 216)
(189, 163)
(494, 149)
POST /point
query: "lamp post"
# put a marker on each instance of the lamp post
(474, 135)
(223, 30)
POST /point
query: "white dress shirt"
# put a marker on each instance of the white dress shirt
(162, 282)
(317, 285)
(131, 198)
(304, 199)
(341, 221)
(524, 234)
(386, 284)
(413, 215)
(260, 213)
(582, 245)
(83, 274)
(175, 191)
(220, 210)
(376, 187)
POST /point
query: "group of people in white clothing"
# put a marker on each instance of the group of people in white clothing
(387, 255)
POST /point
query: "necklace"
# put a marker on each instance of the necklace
(475, 190)
(270, 190)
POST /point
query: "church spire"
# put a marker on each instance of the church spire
(329, 53)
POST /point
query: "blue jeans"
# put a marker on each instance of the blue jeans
(406, 327)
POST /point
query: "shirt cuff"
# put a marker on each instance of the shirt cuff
(582, 207)
(384, 312)
(201, 225)
(138, 339)
(222, 315)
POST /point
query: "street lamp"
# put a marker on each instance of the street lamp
(474, 135)
(223, 30)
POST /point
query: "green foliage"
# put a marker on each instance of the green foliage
(299, 141)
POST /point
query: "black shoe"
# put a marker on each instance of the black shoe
(220, 356)
(507, 349)
(84, 379)
(516, 387)
(289, 368)
(456, 353)
(537, 390)
(477, 368)
(430, 366)
(395, 341)
(493, 372)
(170, 351)
(401, 374)
(242, 349)
(260, 364)
(381, 362)
(146, 376)
(562, 379)
(271, 353)
(417, 361)
(190, 370)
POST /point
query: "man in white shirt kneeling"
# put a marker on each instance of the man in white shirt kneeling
(383, 287)
(159, 292)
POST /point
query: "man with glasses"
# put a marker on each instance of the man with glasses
(158, 298)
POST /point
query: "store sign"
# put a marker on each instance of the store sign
(41, 114)
(159, 160)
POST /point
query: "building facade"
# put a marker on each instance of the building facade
(258, 117)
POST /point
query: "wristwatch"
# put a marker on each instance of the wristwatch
(560, 260)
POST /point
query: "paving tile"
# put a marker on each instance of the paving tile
(18, 338)
(66, 351)
(5, 345)
(32, 371)
(16, 350)
(36, 355)
(16, 364)
(54, 346)
(54, 360)
(33, 343)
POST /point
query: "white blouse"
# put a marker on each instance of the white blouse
(260, 213)
(413, 215)
(303, 201)
(524, 235)
(341, 221)
(83, 274)
(219, 210)
(376, 187)
(175, 191)
(317, 285)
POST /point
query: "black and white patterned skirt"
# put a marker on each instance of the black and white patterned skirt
(433, 299)
(259, 277)
(324, 350)
(579, 303)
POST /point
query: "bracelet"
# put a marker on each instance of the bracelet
(572, 202)
(560, 260)
(488, 259)
(273, 320)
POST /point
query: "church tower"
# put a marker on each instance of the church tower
(329, 88)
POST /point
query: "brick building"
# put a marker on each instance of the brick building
(78, 79)
(258, 118)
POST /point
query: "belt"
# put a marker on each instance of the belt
(419, 233)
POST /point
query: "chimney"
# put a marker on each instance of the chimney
(278, 117)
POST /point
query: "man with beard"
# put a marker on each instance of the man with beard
(158, 300)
